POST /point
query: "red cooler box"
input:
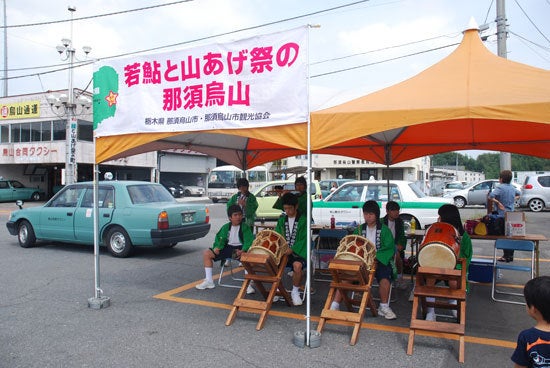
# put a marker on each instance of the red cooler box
(481, 270)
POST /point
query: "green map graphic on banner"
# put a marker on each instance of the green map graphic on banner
(105, 94)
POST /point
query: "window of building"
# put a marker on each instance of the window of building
(5, 134)
(25, 132)
(15, 133)
(85, 131)
(59, 130)
(46, 131)
(36, 132)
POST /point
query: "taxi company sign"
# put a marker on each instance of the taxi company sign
(20, 110)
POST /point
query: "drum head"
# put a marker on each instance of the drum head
(356, 248)
(271, 243)
(437, 255)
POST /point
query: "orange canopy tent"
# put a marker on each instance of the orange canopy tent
(472, 99)
(244, 148)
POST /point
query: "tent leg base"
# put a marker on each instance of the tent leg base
(99, 303)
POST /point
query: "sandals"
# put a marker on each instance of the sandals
(505, 259)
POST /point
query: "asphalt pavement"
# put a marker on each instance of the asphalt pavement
(157, 318)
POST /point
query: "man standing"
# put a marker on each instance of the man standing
(246, 200)
(504, 196)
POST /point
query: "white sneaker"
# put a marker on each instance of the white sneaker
(430, 316)
(250, 290)
(296, 299)
(205, 285)
(386, 312)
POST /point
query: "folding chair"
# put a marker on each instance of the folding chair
(326, 244)
(228, 257)
(516, 245)
(288, 272)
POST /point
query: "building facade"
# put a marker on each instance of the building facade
(34, 146)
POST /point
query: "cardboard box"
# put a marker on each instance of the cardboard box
(514, 224)
(481, 270)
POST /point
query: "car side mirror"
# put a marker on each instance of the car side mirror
(19, 204)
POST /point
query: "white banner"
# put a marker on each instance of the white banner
(256, 82)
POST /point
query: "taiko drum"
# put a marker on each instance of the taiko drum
(440, 246)
(271, 243)
(356, 248)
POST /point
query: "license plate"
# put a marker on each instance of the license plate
(187, 217)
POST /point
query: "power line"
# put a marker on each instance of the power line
(382, 49)
(94, 16)
(210, 37)
(531, 21)
(383, 61)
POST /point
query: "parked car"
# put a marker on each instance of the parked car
(266, 195)
(452, 186)
(326, 185)
(346, 202)
(473, 194)
(12, 190)
(476, 193)
(174, 188)
(131, 213)
(535, 192)
(192, 190)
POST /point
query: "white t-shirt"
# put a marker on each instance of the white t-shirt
(233, 238)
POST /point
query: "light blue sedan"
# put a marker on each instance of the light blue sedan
(131, 213)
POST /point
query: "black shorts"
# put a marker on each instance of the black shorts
(228, 251)
(296, 258)
(383, 271)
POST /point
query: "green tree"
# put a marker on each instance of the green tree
(489, 163)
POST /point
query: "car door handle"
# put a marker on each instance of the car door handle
(106, 215)
(69, 213)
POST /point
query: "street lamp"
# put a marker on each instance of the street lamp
(66, 104)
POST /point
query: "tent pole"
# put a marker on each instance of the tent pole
(307, 289)
(98, 301)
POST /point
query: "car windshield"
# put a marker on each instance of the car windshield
(419, 193)
(347, 193)
(146, 193)
(454, 186)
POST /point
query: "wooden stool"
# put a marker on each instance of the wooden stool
(422, 291)
(261, 269)
(349, 276)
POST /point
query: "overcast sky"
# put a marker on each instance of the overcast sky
(363, 38)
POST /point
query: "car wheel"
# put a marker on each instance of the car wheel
(118, 242)
(215, 200)
(460, 202)
(172, 245)
(25, 234)
(536, 205)
(187, 193)
(35, 196)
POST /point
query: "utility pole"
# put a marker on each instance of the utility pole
(502, 34)
(5, 52)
